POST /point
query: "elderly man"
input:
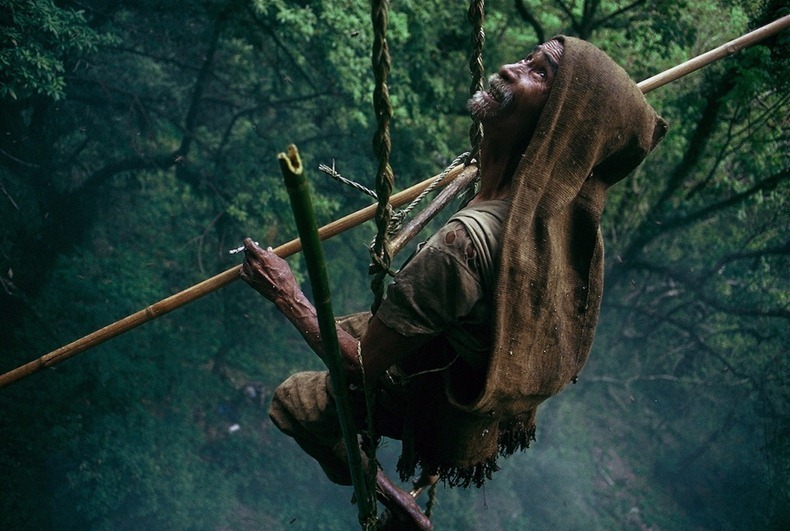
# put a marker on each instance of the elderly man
(495, 312)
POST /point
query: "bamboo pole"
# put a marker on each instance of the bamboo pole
(352, 220)
(411, 229)
(735, 45)
(304, 215)
(207, 286)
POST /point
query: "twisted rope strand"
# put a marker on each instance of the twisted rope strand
(348, 182)
(381, 138)
(475, 15)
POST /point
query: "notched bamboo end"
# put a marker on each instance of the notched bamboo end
(290, 160)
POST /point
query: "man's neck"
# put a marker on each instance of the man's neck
(498, 162)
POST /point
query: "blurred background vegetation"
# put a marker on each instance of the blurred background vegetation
(137, 145)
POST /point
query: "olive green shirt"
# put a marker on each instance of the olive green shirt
(446, 287)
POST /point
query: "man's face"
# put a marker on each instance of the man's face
(518, 91)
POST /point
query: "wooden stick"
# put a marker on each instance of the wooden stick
(722, 51)
(429, 212)
(207, 286)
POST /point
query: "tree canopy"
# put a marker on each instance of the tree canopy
(137, 146)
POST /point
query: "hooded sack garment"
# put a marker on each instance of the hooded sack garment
(595, 129)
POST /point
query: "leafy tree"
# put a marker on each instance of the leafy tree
(38, 40)
(137, 147)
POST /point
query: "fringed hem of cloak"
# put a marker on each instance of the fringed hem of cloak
(454, 476)
(512, 438)
(516, 436)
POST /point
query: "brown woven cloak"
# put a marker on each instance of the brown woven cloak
(595, 129)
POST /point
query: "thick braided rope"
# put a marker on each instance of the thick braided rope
(381, 145)
(380, 252)
(475, 15)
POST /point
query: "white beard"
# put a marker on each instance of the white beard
(489, 104)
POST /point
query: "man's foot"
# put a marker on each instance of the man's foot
(425, 481)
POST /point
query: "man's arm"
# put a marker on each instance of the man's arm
(381, 346)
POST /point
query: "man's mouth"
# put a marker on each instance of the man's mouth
(500, 91)
(496, 90)
(491, 102)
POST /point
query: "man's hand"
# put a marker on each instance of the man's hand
(269, 274)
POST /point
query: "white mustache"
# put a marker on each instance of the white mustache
(500, 90)
(481, 105)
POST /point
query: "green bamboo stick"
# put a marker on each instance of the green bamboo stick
(302, 206)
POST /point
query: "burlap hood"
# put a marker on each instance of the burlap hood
(595, 129)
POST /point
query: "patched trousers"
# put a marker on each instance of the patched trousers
(303, 407)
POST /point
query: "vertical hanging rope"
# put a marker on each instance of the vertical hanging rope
(475, 15)
(380, 252)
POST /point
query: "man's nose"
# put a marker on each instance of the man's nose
(510, 72)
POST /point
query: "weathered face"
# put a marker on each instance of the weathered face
(518, 92)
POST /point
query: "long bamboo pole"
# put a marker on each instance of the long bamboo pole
(352, 220)
(735, 45)
(209, 285)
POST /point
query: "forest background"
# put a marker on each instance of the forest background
(137, 146)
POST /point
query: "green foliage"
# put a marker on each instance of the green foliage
(128, 180)
(37, 39)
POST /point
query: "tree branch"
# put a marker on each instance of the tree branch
(603, 22)
(695, 285)
(652, 226)
(781, 250)
(627, 382)
(530, 19)
(190, 120)
(767, 184)
(687, 330)
(101, 176)
(269, 31)
(569, 13)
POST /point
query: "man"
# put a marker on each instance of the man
(496, 312)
